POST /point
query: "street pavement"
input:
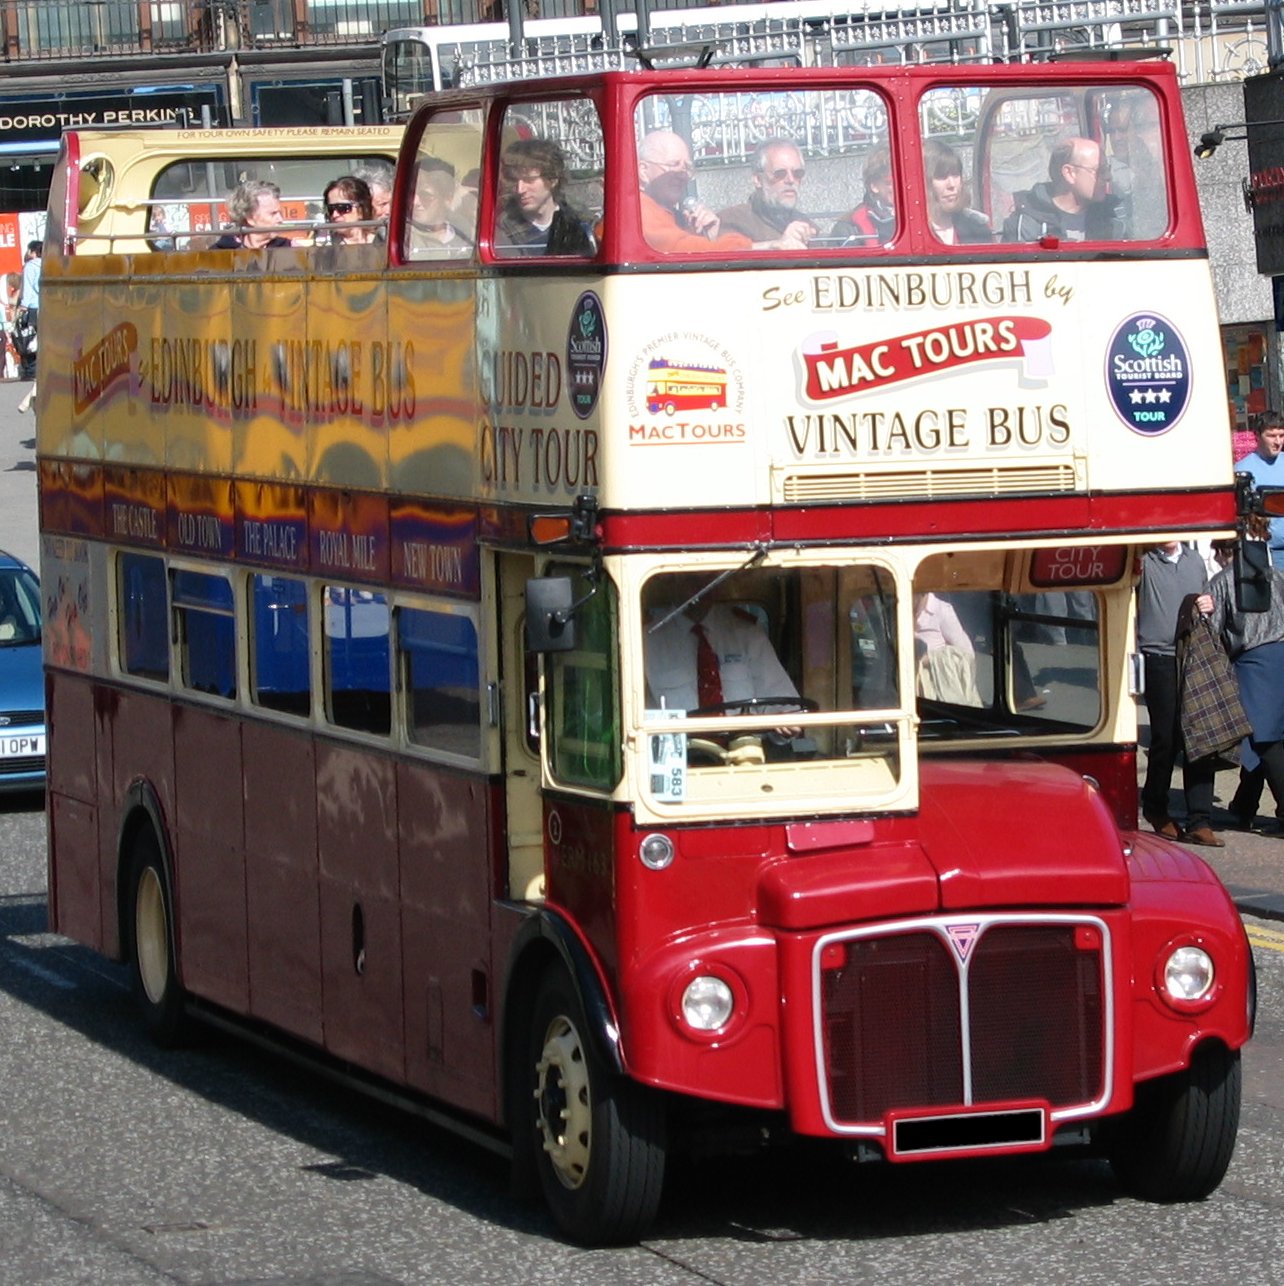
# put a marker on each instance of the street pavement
(1251, 866)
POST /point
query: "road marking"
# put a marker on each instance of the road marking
(39, 971)
(1268, 939)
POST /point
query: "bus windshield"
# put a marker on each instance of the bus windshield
(831, 666)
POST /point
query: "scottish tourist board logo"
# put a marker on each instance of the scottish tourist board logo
(1148, 374)
(585, 354)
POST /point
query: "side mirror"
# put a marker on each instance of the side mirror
(550, 623)
(1252, 576)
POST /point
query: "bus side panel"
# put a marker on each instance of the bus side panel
(356, 796)
(209, 855)
(281, 872)
(142, 751)
(75, 885)
(446, 906)
(423, 387)
(67, 355)
(197, 324)
(344, 317)
(270, 367)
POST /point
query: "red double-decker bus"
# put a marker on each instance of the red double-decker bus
(382, 707)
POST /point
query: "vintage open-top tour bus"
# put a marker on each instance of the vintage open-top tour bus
(379, 581)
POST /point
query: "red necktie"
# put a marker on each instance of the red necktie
(708, 674)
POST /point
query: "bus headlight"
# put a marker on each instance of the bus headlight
(1188, 974)
(707, 1003)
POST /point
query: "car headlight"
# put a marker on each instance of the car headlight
(1188, 974)
(707, 1003)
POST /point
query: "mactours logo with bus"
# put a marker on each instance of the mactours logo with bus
(1148, 373)
(685, 389)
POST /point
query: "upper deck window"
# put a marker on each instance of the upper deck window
(773, 171)
(190, 197)
(441, 217)
(1046, 165)
(550, 180)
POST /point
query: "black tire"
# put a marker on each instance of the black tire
(597, 1138)
(1177, 1141)
(149, 923)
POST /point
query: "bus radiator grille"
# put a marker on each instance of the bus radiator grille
(896, 1034)
(797, 487)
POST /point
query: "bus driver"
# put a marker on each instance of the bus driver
(710, 654)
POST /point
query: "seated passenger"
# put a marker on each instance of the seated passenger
(378, 178)
(672, 222)
(873, 222)
(535, 218)
(1073, 205)
(348, 201)
(771, 218)
(947, 198)
(1136, 165)
(255, 210)
(432, 234)
(945, 669)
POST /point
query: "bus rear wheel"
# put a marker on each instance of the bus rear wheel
(599, 1139)
(150, 925)
(1177, 1141)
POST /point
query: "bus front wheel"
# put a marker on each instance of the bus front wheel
(598, 1138)
(150, 924)
(1177, 1141)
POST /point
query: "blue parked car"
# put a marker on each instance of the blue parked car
(22, 680)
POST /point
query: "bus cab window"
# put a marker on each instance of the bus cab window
(1135, 154)
(550, 180)
(442, 215)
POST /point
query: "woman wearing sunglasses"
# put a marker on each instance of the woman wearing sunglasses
(347, 204)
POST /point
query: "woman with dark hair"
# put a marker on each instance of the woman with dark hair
(947, 198)
(348, 202)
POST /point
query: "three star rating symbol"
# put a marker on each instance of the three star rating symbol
(1150, 396)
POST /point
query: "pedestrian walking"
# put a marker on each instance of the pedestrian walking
(26, 328)
(1169, 572)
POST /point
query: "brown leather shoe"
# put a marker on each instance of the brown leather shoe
(1164, 826)
(1202, 835)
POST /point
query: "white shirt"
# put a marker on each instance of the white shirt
(747, 663)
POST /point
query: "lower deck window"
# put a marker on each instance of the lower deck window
(441, 680)
(357, 655)
(280, 645)
(206, 632)
(142, 607)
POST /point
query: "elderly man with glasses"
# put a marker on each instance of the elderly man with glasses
(673, 222)
(1074, 204)
(771, 218)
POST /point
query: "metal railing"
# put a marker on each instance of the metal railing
(1210, 40)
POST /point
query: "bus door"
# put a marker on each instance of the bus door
(522, 801)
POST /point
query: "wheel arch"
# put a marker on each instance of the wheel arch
(141, 808)
(547, 936)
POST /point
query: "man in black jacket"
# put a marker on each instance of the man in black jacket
(1073, 204)
(535, 218)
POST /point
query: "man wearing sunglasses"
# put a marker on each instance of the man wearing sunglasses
(771, 218)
